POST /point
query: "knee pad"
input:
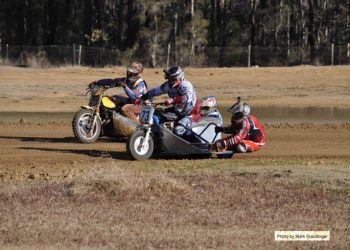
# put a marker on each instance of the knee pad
(180, 127)
(179, 130)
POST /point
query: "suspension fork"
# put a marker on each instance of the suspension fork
(146, 138)
(148, 132)
(96, 111)
(93, 118)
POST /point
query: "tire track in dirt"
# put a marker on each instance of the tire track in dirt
(49, 151)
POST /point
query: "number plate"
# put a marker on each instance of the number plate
(146, 115)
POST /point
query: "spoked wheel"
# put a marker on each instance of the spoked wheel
(137, 147)
(83, 129)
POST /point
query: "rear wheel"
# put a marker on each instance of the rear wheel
(138, 148)
(83, 129)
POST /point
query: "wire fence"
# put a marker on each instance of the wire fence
(47, 56)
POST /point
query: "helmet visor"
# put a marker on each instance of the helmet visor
(238, 116)
(132, 77)
(174, 82)
(131, 74)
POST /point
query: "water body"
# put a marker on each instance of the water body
(276, 114)
(272, 114)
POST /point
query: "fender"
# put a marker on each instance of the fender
(87, 107)
(91, 108)
(142, 127)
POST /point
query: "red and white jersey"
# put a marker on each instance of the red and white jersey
(249, 129)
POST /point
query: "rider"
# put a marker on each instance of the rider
(247, 134)
(134, 87)
(182, 97)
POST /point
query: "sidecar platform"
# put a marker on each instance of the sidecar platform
(173, 144)
(224, 154)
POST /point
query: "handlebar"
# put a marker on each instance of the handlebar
(105, 86)
(149, 103)
(91, 88)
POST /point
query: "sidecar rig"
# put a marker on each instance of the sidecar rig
(155, 136)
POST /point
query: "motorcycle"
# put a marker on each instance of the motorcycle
(101, 117)
(155, 134)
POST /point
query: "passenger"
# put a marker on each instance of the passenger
(247, 134)
(182, 97)
(208, 107)
(134, 87)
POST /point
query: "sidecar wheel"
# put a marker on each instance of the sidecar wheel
(136, 150)
(81, 130)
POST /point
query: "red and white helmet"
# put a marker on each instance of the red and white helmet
(208, 104)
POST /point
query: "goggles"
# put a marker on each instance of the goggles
(131, 74)
(237, 116)
(206, 108)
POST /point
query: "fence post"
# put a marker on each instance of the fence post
(168, 56)
(79, 59)
(332, 56)
(348, 50)
(73, 54)
(249, 53)
(7, 53)
(0, 52)
(339, 54)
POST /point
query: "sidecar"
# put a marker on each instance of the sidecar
(197, 140)
(155, 136)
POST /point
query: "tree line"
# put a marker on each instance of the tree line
(188, 27)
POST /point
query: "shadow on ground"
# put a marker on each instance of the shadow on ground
(94, 153)
(87, 152)
(69, 139)
(117, 155)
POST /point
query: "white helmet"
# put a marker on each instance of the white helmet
(134, 72)
(239, 112)
(208, 104)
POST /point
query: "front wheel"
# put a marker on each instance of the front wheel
(137, 147)
(83, 128)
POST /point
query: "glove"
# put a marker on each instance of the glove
(145, 96)
(219, 129)
(177, 99)
(219, 145)
(92, 85)
(121, 84)
(169, 101)
(137, 101)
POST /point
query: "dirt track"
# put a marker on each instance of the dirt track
(47, 152)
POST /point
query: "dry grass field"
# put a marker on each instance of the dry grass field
(56, 193)
(62, 89)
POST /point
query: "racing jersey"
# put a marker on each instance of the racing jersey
(133, 91)
(249, 129)
(184, 97)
